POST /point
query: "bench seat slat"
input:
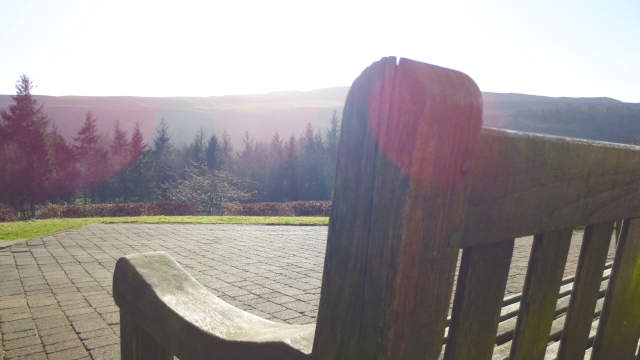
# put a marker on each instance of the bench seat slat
(540, 294)
(619, 328)
(482, 281)
(593, 255)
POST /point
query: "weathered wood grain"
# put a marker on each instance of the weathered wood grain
(527, 184)
(396, 267)
(482, 280)
(619, 327)
(341, 299)
(593, 255)
(190, 322)
(540, 294)
(137, 344)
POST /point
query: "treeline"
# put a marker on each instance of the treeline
(613, 123)
(40, 166)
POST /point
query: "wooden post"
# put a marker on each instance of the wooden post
(619, 326)
(408, 135)
(137, 344)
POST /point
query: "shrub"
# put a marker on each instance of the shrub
(7, 213)
(51, 211)
(211, 190)
(294, 208)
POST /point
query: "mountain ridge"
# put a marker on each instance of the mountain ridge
(288, 112)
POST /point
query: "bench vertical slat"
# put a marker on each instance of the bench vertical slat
(584, 296)
(619, 327)
(341, 299)
(138, 344)
(482, 281)
(389, 275)
(540, 294)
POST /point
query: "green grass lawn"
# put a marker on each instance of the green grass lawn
(34, 228)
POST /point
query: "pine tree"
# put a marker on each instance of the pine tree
(137, 142)
(65, 173)
(226, 150)
(25, 160)
(247, 152)
(198, 148)
(88, 138)
(245, 164)
(140, 171)
(92, 158)
(213, 153)
(120, 156)
(277, 146)
(292, 183)
(276, 180)
(164, 158)
(332, 138)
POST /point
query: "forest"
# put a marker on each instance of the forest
(40, 166)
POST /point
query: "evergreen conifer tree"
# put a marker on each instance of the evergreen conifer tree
(213, 154)
(140, 171)
(164, 158)
(92, 158)
(25, 155)
(65, 173)
(226, 151)
(119, 156)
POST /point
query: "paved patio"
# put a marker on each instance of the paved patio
(55, 291)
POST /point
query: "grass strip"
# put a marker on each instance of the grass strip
(34, 228)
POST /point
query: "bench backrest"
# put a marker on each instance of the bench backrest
(418, 179)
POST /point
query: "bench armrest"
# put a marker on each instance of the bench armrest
(190, 322)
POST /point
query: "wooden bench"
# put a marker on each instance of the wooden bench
(418, 179)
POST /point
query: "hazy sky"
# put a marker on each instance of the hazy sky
(204, 48)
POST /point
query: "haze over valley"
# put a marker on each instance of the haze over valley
(289, 112)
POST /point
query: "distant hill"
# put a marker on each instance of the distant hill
(288, 112)
(602, 118)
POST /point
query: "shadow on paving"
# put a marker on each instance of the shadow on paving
(55, 291)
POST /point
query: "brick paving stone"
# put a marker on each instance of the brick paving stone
(101, 341)
(286, 314)
(17, 325)
(23, 351)
(85, 316)
(59, 337)
(62, 345)
(15, 316)
(8, 304)
(95, 333)
(111, 318)
(56, 330)
(106, 352)
(269, 307)
(82, 326)
(35, 356)
(302, 320)
(21, 342)
(46, 313)
(51, 322)
(69, 354)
